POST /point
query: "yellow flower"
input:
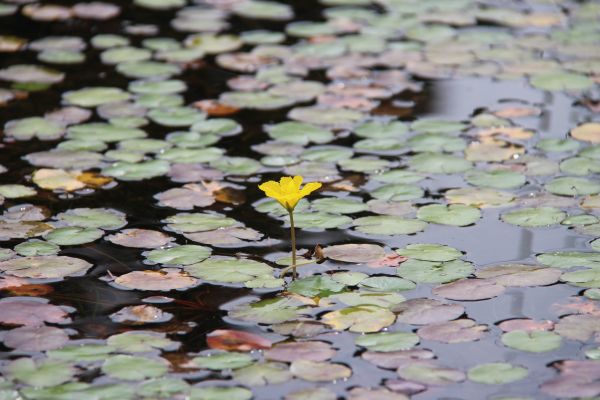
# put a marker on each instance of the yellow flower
(287, 191)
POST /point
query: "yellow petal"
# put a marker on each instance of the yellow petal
(270, 186)
(309, 188)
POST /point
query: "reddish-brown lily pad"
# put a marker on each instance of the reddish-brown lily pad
(234, 340)
(140, 238)
(469, 289)
(292, 351)
(164, 280)
(461, 330)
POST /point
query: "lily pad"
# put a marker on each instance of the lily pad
(363, 318)
(533, 341)
(454, 214)
(496, 373)
(534, 217)
(434, 272)
(228, 269)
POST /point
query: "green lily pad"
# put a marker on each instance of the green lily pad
(568, 259)
(36, 248)
(220, 393)
(133, 368)
(363, 318)
(381, 130)
(437, 163)
(42, 373)
(223, 360)
(434, 272)
(388, 225)
(496, 373)
(561, 80)
(83, 353)
(103, 218)
(261, 374)
(229, 270)
(103, 131)
(299, 133)
(198, 222)
(454, 214)
(320, 220)
(127, 171)
(497, 179)
(339, 205)
(388, 341)
(182, 255)
(436, 142)
(141, 342)
(45, 267)
(28, 128)
(386, 284)
(437, 126)
(73, 235)
(163, 388)
(429, 252)
(269, 311)
(95, 96)
(532, 341)
(398, 192)
(313, 286)
(147, 69)
(14, 191)
(568, 186)
(534, 217)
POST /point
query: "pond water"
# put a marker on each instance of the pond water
(450, 253)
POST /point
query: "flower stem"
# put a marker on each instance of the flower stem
(293, 237)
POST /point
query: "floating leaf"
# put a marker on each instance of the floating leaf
(42, 373)
(230, 270)
(387, 342)
(315, 371)
(35, 338)
(470, 289)
(163, 280)
(354, 253)
(430, 252)
(262, 374)
(140, 238)
(434, 272)
(363, 318)
(426, 311)
(534, 217)
(458, 331)
(134, 368)
(295, 351)
(234, 340)
(141, 342)
(519, 275)
(179, 255)
(496, 373)
(45, 267)
(533, 341)
(454, 214)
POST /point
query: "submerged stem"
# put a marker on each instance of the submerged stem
(293, 237)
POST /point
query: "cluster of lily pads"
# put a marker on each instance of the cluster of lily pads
(380, 313)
